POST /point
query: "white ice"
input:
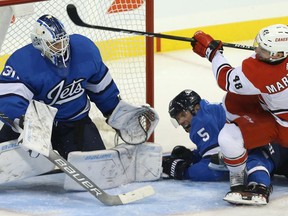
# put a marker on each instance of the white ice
(174, 71)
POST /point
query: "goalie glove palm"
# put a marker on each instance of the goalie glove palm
(133, 124)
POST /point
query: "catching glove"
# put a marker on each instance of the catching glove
(205, 46)
(133, 124)
(174, 168)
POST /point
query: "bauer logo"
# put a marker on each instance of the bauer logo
(9, 146)
(98, 157)
(78, 177)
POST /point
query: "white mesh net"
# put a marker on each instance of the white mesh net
(123, 54)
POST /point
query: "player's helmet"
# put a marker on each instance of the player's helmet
(50, 37)
(274, 39)
(184, 101)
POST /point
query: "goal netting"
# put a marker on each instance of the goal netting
(125, 55)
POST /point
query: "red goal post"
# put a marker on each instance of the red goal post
(17, 2)
(129, 58)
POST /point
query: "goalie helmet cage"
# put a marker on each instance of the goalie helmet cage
(129, 58)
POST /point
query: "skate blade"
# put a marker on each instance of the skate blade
(236, 198)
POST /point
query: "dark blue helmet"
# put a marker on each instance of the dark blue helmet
(184, 101)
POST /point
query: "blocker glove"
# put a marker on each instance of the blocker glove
(174, 168)
(181, 152)
(205, 46)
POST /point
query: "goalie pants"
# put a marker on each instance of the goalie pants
(7, 134)
(81, 135)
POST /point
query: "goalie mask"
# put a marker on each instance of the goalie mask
(184, 101)
(50, 37)
(273, 40)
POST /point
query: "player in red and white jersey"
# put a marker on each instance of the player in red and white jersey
(269, 80)
(262, 77)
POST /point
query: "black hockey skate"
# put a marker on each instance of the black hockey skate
(253, 194)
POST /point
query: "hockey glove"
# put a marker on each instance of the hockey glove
(205, 46)
(174, 168)
(181, 152)
(133, 124)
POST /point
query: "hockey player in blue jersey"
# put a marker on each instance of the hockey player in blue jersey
(187, 109)
(63, 71)
(203, 121)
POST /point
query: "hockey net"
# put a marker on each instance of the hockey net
(125, 55)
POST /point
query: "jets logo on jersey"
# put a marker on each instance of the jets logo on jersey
(62, 94)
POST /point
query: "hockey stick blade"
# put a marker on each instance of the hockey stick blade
(74, 16)
(85, 182)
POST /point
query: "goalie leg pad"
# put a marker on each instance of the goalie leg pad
(148, 162)
(17, 163)
(102, 167)
(121, 165)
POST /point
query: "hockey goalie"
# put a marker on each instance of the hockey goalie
(133, 160)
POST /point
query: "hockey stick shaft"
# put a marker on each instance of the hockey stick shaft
(74, 16)
(85, 182)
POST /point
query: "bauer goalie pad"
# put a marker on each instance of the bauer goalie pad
(133, 124)
(118, 166)
(17, 163)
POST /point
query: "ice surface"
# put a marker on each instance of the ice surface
(44, 195)
(174, 71)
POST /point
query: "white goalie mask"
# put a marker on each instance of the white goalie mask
(50, 37)
(273, 39)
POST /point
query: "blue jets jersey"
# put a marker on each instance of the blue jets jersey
(205, 127)
(28, 75)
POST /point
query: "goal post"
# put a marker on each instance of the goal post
(17, 2)
(130, 59)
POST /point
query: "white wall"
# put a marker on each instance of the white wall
(182, 14)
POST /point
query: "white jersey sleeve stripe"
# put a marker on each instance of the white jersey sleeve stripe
(16, 88)
(96, 88)
(234, 77)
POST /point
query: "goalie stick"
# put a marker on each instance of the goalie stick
(74, 16)
(84, 181)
